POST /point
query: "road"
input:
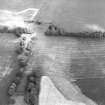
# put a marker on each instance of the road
(51, 96)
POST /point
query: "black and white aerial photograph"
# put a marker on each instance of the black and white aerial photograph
(52, 52)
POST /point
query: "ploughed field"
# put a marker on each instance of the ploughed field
(83, 57)
(76, 59)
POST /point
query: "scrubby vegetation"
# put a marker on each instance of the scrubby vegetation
(53, 30)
